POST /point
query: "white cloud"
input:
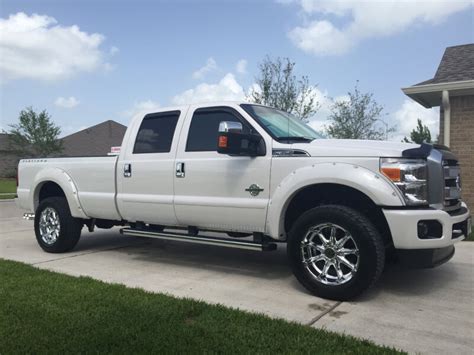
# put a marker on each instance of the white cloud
(113, 50)
(406, 119)
(68, 102)
(226, 89)
(211, 65)
(319, 120)
(368, 19)
(140, 109)
(241, 66)
(36, 47)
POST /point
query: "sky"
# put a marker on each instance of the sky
(90, 61)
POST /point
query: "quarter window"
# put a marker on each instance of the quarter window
(156, 133)
(204, 129)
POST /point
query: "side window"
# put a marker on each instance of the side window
(156, 132)
(203, 132)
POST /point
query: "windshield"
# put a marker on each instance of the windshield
(280, 125)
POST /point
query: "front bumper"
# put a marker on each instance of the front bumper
(403, 224)
(424, 258)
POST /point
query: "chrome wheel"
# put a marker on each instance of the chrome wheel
(330, 254)
(49, 226)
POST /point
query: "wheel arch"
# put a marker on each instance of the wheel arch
(54, 182)
(340, 183)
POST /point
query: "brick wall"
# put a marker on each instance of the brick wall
(462, 141)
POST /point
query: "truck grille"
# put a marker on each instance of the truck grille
(452, 185)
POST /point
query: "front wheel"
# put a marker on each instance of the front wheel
(335, 252)
(56, 230)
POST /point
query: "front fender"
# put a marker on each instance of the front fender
(374, 185)
(64, 181)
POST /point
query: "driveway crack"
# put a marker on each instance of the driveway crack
(322, 314)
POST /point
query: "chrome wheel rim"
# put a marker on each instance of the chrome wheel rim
(49, 225)
(330, 254)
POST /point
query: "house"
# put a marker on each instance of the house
(8, 157)
(452, 89)
(93, 141)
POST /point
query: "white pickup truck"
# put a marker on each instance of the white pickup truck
(259, 177)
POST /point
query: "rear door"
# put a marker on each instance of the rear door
(145, 171)
(218, 191)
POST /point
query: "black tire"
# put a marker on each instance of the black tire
(69, 227)
(369, 260)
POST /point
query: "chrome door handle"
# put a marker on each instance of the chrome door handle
(180, 170)
(127, 170)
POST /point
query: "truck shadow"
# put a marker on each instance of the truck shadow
(399, 281)
(394, 280)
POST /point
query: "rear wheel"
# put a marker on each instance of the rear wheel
(56, 230)
(335, 252)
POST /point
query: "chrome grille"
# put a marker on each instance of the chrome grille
(452, 184)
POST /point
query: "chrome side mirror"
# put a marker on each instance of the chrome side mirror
(230, 126)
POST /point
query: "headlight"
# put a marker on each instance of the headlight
(410, 176)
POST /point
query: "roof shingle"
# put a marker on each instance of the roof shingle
(457, 64)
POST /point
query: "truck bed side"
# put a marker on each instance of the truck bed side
(92, 179)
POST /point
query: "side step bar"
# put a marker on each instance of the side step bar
(200, 239)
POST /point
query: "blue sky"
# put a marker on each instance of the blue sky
(89, 61)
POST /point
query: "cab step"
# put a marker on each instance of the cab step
(201, 239)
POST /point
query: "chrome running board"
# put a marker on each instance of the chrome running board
(200, 239)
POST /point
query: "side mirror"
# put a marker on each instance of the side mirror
(232, 141)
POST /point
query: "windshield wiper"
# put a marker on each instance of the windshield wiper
(296, 138)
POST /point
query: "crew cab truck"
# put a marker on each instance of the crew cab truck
(261, 177)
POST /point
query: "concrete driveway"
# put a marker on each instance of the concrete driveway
(422, 311)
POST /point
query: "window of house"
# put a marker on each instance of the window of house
(156, 133)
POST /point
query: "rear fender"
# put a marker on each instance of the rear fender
(65, 182)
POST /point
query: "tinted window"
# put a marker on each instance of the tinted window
(156, 133)
(204, 130)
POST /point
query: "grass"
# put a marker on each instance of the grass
(7, 186)
(46, 312)
(470, 238)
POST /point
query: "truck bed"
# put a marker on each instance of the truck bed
(93, 177)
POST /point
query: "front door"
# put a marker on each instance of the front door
(217, 191)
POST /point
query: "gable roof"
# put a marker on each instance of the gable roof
(94, 141)
(457, 64)
(455, 75)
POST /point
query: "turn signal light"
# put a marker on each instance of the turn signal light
(392, 173)
(222, 141)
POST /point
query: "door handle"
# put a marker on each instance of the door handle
(180, 170)
(127, 170)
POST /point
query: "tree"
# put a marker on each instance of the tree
(36, 135)
(419, 135)
(280, 88)
(357, 118)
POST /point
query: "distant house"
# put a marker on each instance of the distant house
(8, 157)
(452, 89)
(93, 141)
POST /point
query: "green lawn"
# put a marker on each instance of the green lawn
(7, 186)
(46, 312)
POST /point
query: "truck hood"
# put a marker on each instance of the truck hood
(354, 148)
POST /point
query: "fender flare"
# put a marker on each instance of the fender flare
(65, 182)
(374, 185)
